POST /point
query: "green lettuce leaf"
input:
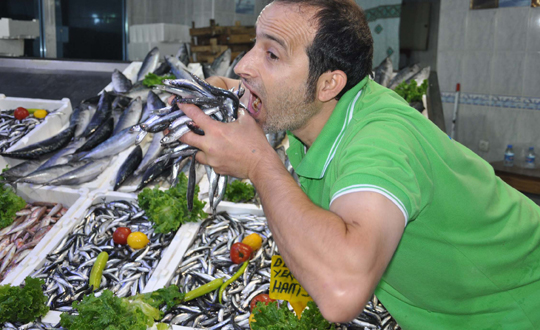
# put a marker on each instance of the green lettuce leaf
(239, 192)
(151, 79)
(23, 304)
(168, 209)
(10, 204)
(274, 317)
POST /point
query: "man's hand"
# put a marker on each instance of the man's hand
(234, 149)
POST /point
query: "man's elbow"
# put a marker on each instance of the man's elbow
(342, 307)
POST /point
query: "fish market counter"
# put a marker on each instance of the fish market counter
(55, 79)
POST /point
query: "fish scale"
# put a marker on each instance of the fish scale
(217, 235)
(127, 270)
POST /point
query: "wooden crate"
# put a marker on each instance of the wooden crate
(207, 43)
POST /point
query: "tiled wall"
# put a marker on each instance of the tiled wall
(495, 55)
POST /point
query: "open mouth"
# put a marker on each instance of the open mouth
(255, 103)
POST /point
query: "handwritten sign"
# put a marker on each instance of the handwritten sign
(283, 286)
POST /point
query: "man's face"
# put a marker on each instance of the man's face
(276, 70)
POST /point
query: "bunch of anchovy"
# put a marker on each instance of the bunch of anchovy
(217, 103)
(67, 269)
(208, 258)
(12, 130)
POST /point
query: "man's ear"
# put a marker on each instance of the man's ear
(330, 84)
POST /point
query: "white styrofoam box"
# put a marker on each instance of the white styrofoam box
(11, 47)
(137, 50)
(14, 29)
(53, 123)
(73, 199)
(159, 32)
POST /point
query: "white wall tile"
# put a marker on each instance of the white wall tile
(470, 125)
(507, 73)
(511, 29)
(531, 76)
(480, 29)
(449, 64)
(448, 111)
(452, 30)
(500, 130)
(533, 34)
(476, 72)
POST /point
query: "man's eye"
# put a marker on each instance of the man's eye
(272, 56)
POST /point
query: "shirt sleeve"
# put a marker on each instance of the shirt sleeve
(386, 158)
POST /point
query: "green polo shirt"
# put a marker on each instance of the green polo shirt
(469, 255)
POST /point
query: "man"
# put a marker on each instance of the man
(388, 204)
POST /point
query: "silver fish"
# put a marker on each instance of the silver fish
(83, 174)
(115, 144)
(383, 73)
(222, 62)
(130, 116)
(121, 84)
(149, 64)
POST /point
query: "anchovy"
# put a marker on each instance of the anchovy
(12, 130)
(44, 147)
(121, 84)
(128, 167)
(149, 63)
(153, 102)
(103, 133)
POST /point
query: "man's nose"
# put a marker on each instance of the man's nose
(245, 66)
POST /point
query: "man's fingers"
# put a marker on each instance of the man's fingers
(201, 158)
(196, 114)
(171, 99)
(193, 140)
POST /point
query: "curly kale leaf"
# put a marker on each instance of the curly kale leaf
(272, 317)
(168, 209)
(239, 192)
(152, 79)
(23, 304)
(10, 204)
(411, 92)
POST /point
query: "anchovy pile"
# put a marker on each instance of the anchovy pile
(12, 130)
(220, 104)
(18, 239)
(36, 325)
(209, 258)
(67, 269)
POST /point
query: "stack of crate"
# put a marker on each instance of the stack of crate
(207, 43)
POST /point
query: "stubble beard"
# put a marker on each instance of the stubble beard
(291, 111)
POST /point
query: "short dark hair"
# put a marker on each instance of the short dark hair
(343, 42)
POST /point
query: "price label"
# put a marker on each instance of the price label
(283, 286)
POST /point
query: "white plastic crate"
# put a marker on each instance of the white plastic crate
(11, 47)
(53, 123)
(73, 199)
(159, 32)
(15, 29)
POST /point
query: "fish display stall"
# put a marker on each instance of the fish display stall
(93, 226)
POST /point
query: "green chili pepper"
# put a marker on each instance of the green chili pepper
(203, 289)
(97, 270)
(233, 278)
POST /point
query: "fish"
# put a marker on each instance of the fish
(154, 150)
(208, 71)
(121, 84)
(103, 133)
(162, 69)
(383, 73)
(103, 112)
(44, 147)
(184, 53)
(83, 174)
(115, 144)
(149, 63)
(121, 101)
(82, 121)
(22, 169)
(67, 268)
(154, 171)
(130, 116)
(403, 75)
(178, 69)
(191, 183)
(230, 71)
(43, 176)
(61, 157)
(420, 76)
(128, 167)
(222, 62)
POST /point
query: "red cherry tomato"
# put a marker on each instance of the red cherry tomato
(120, 235)
(263, 297)
(20, 113)
(240, 252)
